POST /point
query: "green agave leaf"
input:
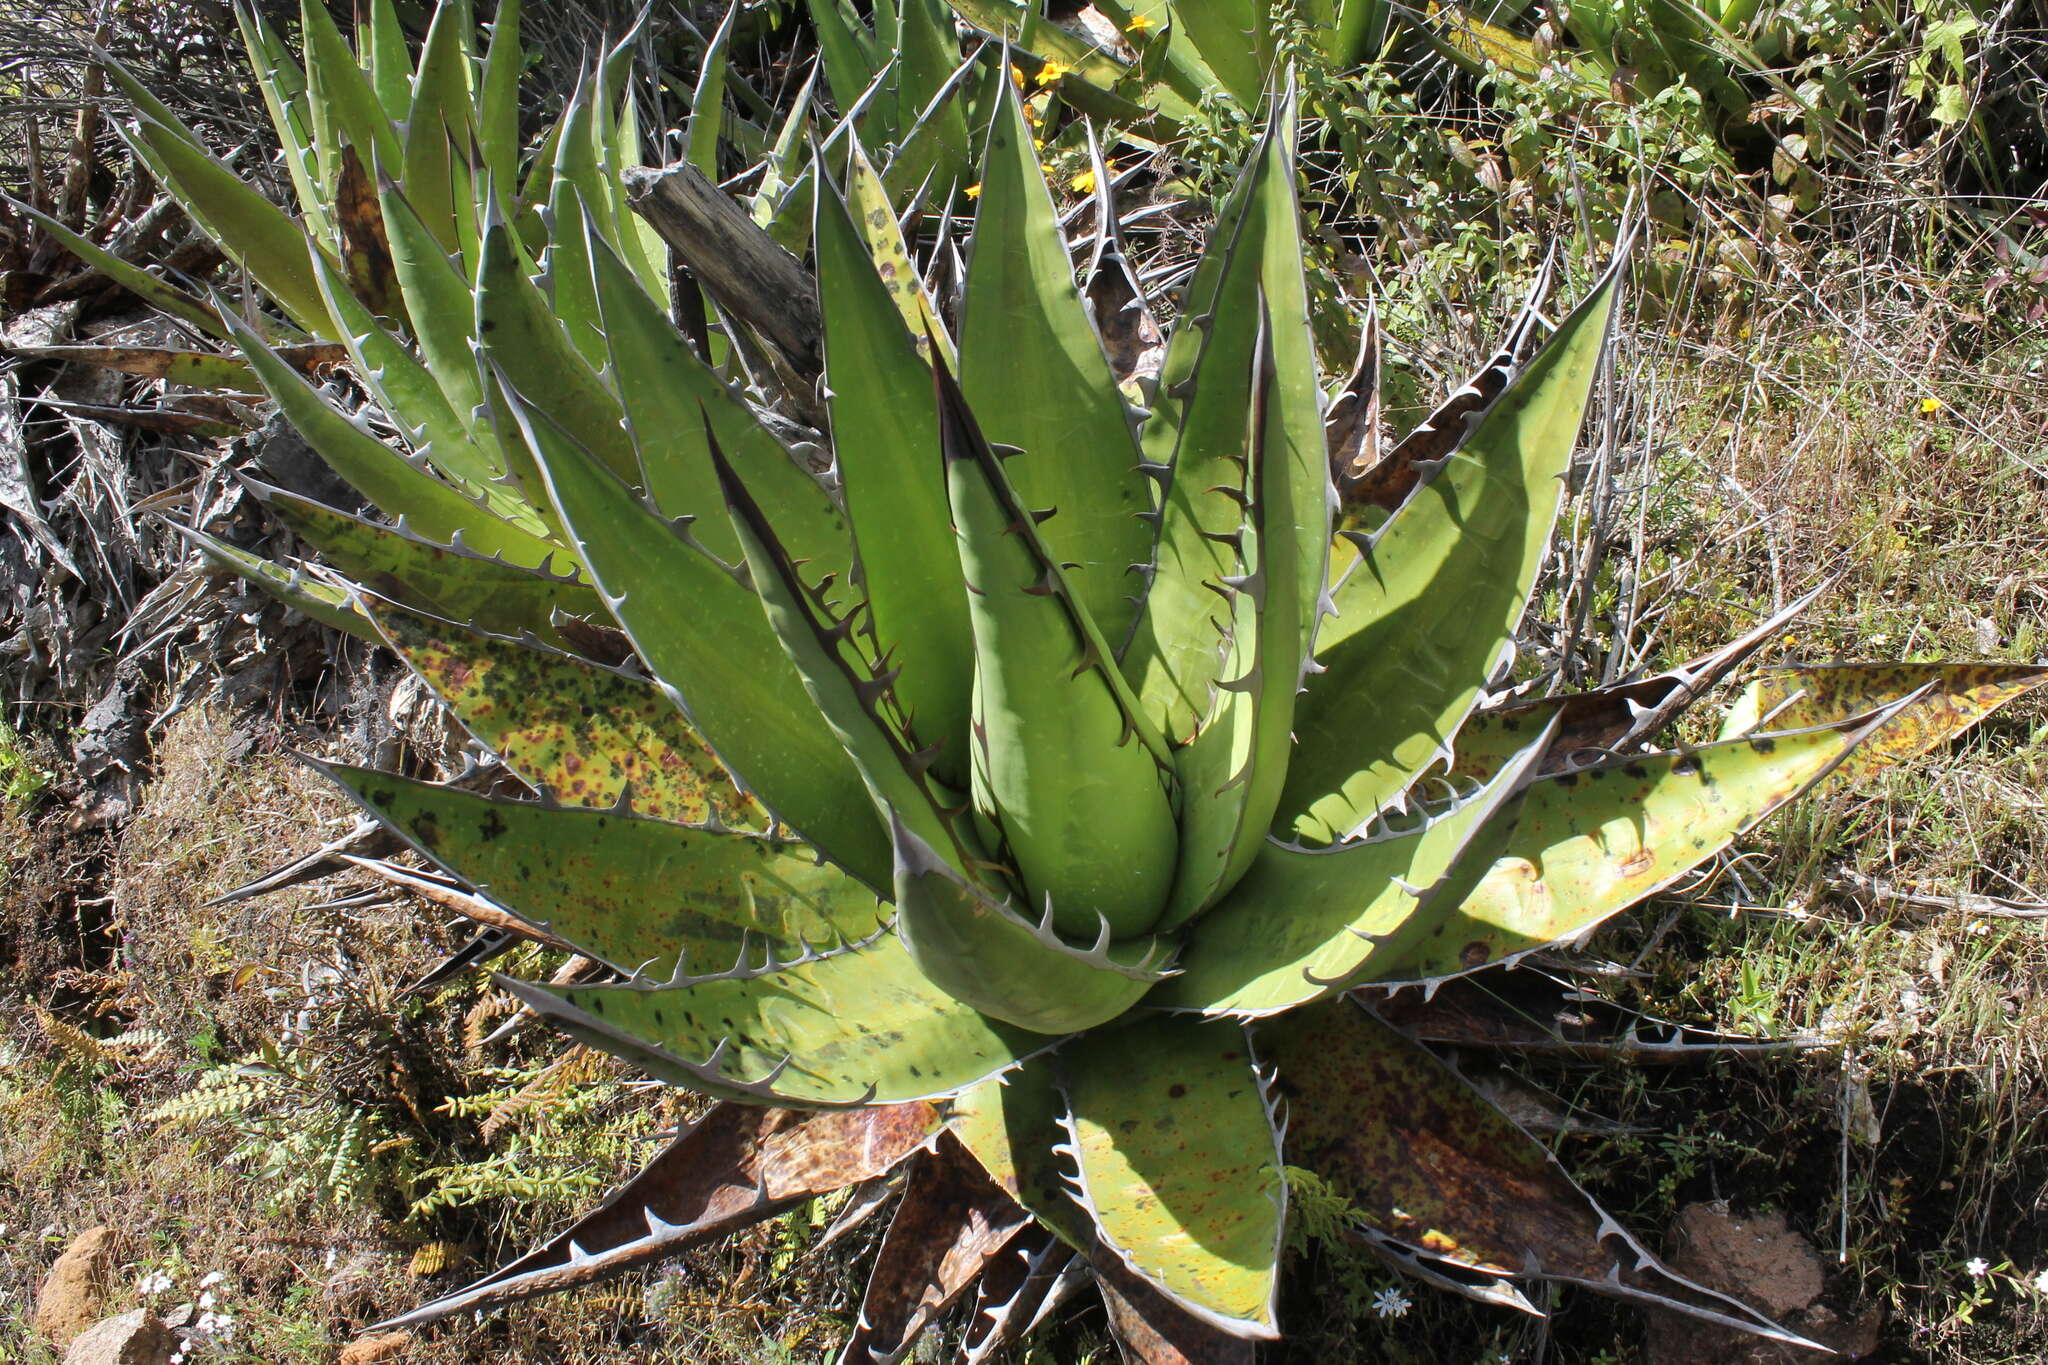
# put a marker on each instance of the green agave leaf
(707, 103)
(385, 58)
(1463, 549)
(397, 486)
(437, 126)
(1235, 40)
(1196, 438)
(851, 691)
(442, 310)
(585, 735)
(324, 602)
(638, 895)
(1594, 841)
(784, 1036)
(137, 281)
(566, 272)
(489, 594)
(692, 621)
(1441, 1180)
(467, 454)
(497, 109)
(849, 50)
(1035, 375)
(526, 342)
(1070, 783)
(283, 85)
(885, 435)
(1232, 772)
(1012, 1125)
(1951, 699)
(1306, 923)
(251, 229)
(978, 949)
(1178, 1164)
(339, 88)
(931, 137)
(669, 395)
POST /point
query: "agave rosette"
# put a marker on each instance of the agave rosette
(1020, 812)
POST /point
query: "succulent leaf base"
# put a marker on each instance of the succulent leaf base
(1035, 809)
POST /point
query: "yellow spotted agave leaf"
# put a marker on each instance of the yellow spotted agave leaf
(324, 602)
(854, 1027)
(889, 255)
(583, 734)
(1951, 699)
(977, 947)
(1177, 1157)
(388, 479)
(636, 894)
(1307, 923)
(490, 594)
(885, 434)
(702, 633)
(1036, 377)
(1592, 842)
(1442, 586)
(1012, 1126)
(254, 232)
(1072, 788)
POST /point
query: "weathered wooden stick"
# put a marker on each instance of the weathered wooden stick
(739, 265)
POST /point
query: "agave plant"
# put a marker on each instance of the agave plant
(1028, 810)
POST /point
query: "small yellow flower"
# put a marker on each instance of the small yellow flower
(973, 191)
(1050, 73)
(1084, 183)
(1930, 406)
(1038, 144)
(1140, 25)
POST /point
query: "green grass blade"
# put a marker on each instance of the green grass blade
(1034, 372)
(1179, 1164)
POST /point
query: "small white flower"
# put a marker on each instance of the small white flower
(205, 1298)
(155, 1282)
(2041, 1283)
(1977, 1266)
(212, 1278)
(1391, 1303)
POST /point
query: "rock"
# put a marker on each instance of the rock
(1762, 1261)
(74, 1293)
(385, 1346)
(136, 1338)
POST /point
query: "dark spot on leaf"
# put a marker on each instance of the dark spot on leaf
(1475, 954)
(1174, 1092)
